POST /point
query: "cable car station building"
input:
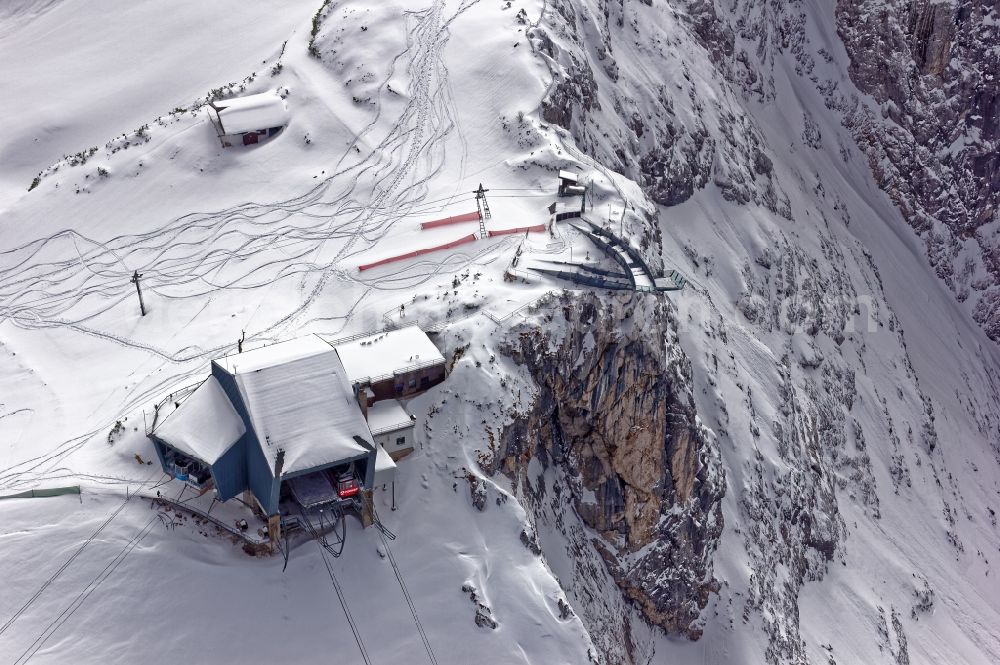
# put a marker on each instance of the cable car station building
(279, 425)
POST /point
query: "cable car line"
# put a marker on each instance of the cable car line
(343, 604)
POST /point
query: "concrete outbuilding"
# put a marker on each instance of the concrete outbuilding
(392, 427)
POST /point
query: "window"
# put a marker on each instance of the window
(400, 441)
(425, 381)
(413, 383)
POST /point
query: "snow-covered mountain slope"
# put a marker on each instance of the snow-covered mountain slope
(824, 486)
(912, 83)
(79, 78)
(855, 402)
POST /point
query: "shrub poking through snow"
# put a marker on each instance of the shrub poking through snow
(116, 432)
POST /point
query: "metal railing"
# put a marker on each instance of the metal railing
(178, 395)
(509, 315)
(406, 369)
(350, 338)
(231, 530)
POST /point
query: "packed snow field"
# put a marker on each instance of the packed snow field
(407, 109)
(265, 241)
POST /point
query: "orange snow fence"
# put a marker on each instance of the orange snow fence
(418, 252)
(455, 219)
(520, 229)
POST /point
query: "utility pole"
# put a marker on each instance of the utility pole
(484, 209)
(135, 280)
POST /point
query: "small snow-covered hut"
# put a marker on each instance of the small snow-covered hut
(248, 120)
(569, 184)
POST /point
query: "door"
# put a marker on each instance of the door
(250, 138)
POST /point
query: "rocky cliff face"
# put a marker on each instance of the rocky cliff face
(796, 114)
(615, 417)
(933, 140)
(653, 124)
(929, 130)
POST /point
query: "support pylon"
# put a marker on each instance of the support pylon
(135, 280)
(484, 209)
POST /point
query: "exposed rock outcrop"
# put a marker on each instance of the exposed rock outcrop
(936, 147)
(653, 125)
(614, 412)
(929, 128)
(679, 97)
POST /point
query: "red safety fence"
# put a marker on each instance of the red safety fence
(520, 229)
(454, 219)
(417, 252)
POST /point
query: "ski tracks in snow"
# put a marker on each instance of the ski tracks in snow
(68, 280)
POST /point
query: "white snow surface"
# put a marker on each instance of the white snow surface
(271, 248)
(253, 112)
(205, 425)
(385, 353)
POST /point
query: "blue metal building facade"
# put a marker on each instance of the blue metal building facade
(257, 476)
(228, 472)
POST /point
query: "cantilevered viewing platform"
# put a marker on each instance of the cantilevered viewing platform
(634, 275)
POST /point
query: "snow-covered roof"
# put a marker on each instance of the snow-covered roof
(383, 354)
(388, 416)
(250, 113)
(274, 354)
(299, 401)
(385, 468)
(205, 425)
(306, 408)
(568, 175)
